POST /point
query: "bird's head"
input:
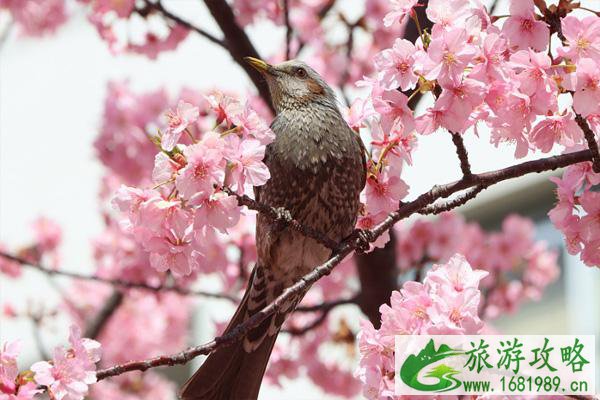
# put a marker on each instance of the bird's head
(294, 85)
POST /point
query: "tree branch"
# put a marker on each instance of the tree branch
(309, 327)
(288, 28)
(591, 140)
(328, 305)
(238, 44)
(435, 209)
(158, 7)
(282, 216)
(378, 276)
(94, 329)
(349, 245)
(115, 282)
(463, 156)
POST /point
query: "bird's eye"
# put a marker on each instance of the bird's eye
(301, 73)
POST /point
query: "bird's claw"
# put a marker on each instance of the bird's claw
(363, 237)
(283, 216)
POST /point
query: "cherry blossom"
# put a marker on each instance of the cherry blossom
(582, 38)
(522, 29)
(434, 307)
(71, 371)
(35, 17)
(178, 121)
(396, 66)
(400, 8)
(587, 88)
(448, 55)
(383, 193)
(556, 129)
(174, 223)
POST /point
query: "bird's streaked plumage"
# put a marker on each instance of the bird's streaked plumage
(317, 170)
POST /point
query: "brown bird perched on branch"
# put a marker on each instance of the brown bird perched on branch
(317, 170)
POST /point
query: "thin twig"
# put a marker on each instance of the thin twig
(347, 247)
(591, 140)
(328, 305)
(288, 28)
(94, 329)
(435, 209)
(239, 45)
(463, 156)
(158, 7)
(307, 328)
(115, 282)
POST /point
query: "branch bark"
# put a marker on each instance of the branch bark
(347, 247)
(238, 44)
(591, 140)
(94, 329)
(115, 282)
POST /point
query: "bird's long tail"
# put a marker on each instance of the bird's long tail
(233, 372)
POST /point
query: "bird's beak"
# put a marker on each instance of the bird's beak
(259, 65)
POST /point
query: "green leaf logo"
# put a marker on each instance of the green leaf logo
(412, 366)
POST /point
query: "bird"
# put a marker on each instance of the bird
(318, 169)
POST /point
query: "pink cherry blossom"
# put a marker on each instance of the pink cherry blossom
(583, 35)
(460, 101)
(246, 163)
(446, 13)
(8, 366)
(48, 233)
(490, 62)
(449, 54)
(431, 120)
(356, 115)
(384, 193)
(395, 66)
(430, 307)
(586, 100)
(155, 44)
(252, 125)
(71, 371)
(8, 267)
(590, 223)
(522, 29)
(399, 141)
(36, 17)
(178, 121)
(225, 107)
(560, 129)
(392, 106)
(457, 274)
(219, 211)
(400, 8)
(165, 169)
(205, 168)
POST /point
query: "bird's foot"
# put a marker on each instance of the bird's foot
(283, 217)
(363, 238)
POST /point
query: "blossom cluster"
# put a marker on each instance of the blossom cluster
(65, 377)
(446, 303)
(36, 17)
(519, 267)
(495, 71)
(577, 213)
(179, 219)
